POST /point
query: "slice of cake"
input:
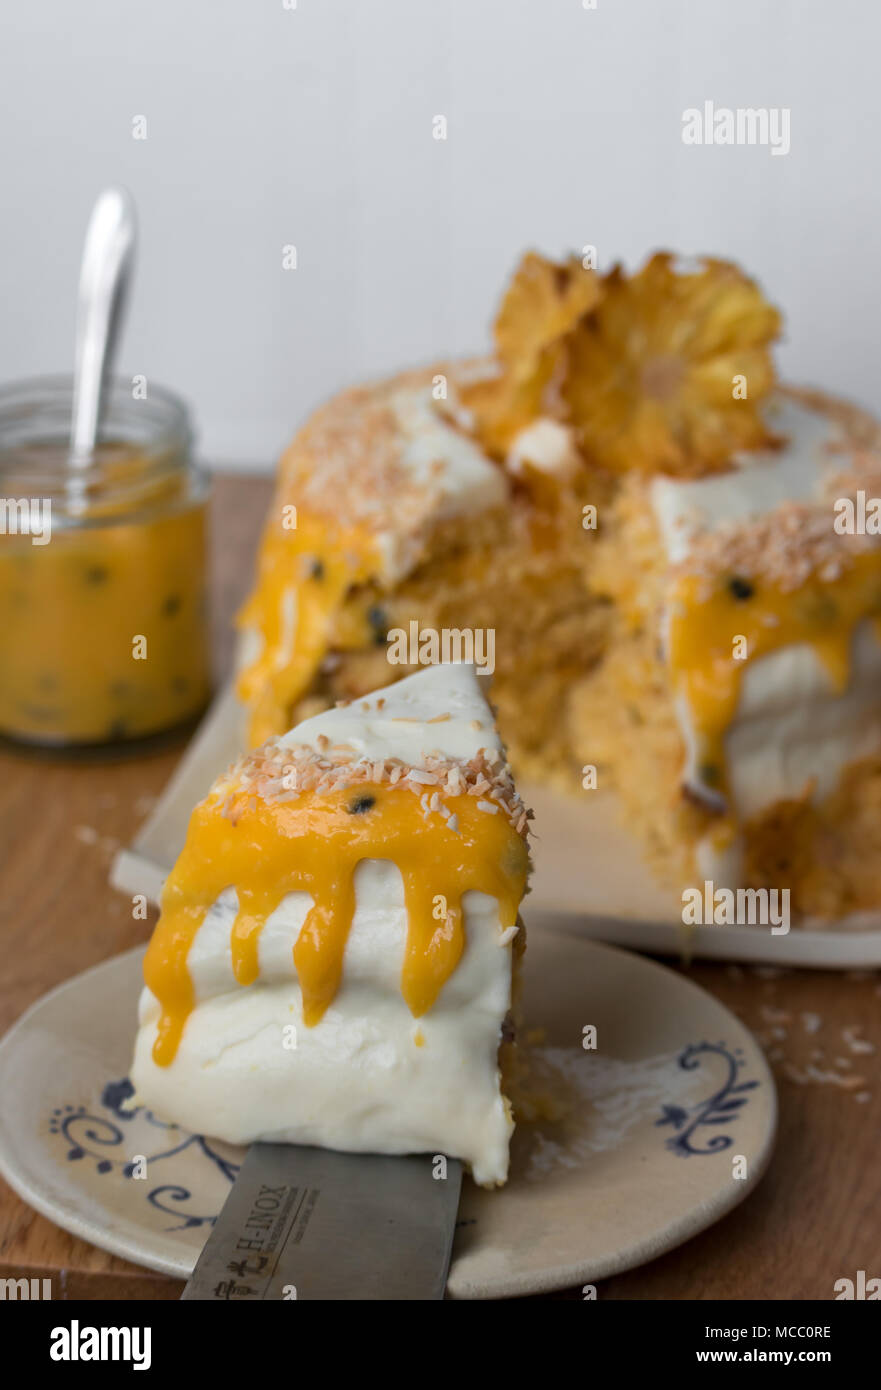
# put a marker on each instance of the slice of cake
(336, 958)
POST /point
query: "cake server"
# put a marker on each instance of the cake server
(314, 1223)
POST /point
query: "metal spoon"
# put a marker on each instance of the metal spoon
(108, 258)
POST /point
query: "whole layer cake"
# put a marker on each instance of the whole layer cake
(336, 958)
(644, 536)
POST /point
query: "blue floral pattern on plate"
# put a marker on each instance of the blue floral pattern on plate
(94, 1137)
(720, 1108)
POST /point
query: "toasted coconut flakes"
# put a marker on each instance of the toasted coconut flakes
(279, 773)
(784, 548)
(438, 719)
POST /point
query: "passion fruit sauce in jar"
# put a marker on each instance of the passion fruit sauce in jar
(103, 603)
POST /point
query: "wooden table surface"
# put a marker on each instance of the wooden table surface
(816, 1216)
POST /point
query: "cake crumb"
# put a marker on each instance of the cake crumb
(855, 1043)
(775, 1015)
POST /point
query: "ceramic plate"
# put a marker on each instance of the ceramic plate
(608, 892)
(665, 1126)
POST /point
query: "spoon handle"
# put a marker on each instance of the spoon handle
(107, 261)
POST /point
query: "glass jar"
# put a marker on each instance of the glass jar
(103, 604)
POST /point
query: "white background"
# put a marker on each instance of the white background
(313, 126)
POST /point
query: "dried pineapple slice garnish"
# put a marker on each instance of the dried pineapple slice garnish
(648, 369)
(542, 304)
(655, 376)
(503, 405)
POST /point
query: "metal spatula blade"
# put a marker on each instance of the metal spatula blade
(314, 1223)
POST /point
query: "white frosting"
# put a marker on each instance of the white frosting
(394, 722)
(358, 1080)
(759, 482)
(791, 728)
(722, 866)
(546, 445)
(463, 481)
